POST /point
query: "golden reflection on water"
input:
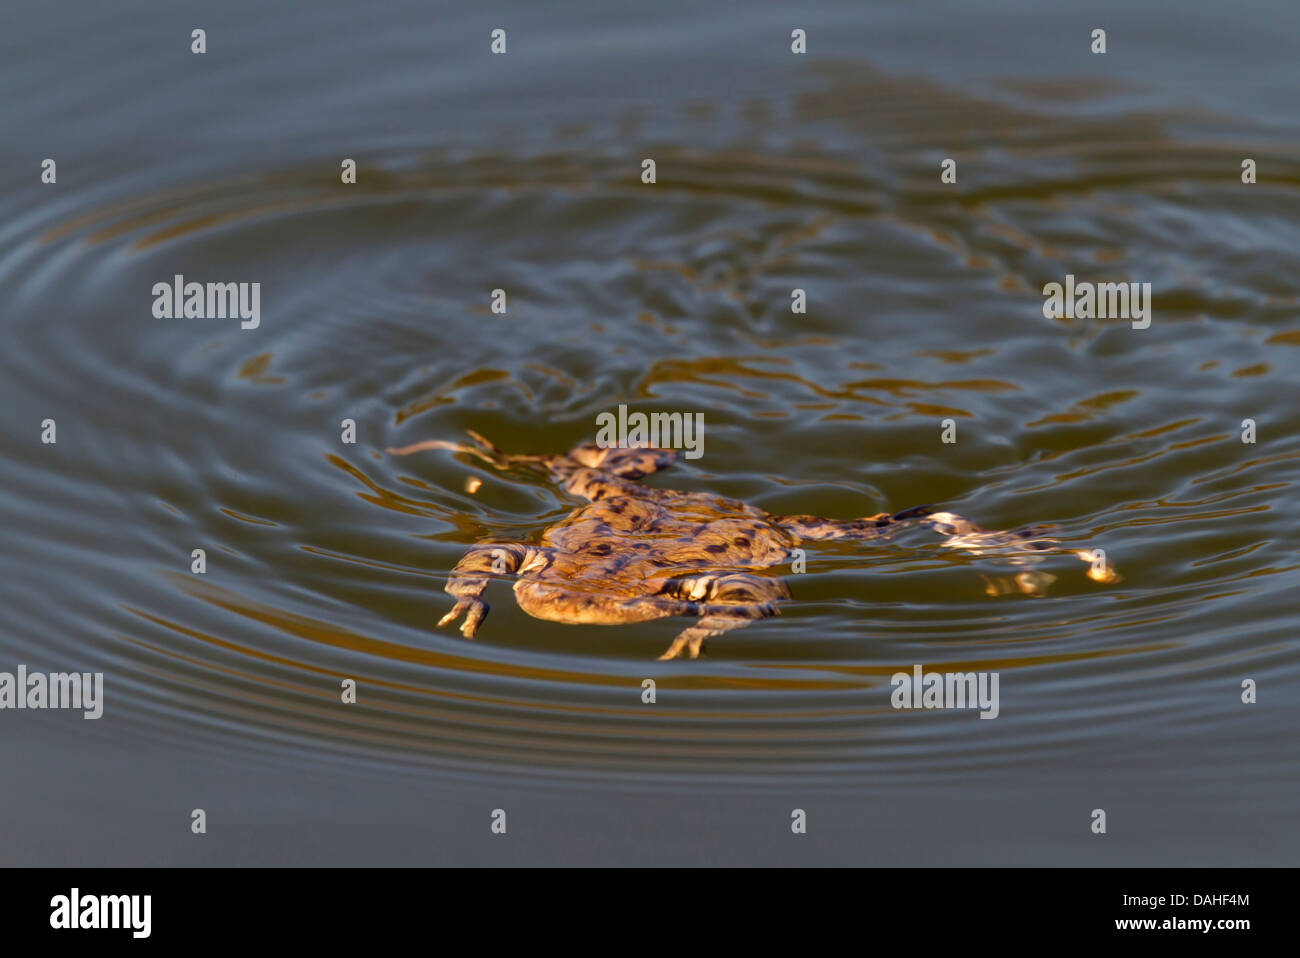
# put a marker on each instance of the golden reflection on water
(1101, 166)
(304, 627)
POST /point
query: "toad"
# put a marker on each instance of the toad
(633, 553)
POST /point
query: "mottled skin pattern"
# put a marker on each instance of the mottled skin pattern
(635, 553)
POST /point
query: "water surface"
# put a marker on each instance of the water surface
(327, 560)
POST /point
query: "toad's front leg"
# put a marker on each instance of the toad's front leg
(472, 573)
(723, 602)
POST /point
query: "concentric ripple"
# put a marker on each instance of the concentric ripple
(326, 560)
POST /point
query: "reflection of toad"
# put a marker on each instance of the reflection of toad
(634, 553)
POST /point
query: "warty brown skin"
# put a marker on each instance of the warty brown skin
(634, 553)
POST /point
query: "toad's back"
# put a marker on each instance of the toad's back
(636, 553)
(628, 547)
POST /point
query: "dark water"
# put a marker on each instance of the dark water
(327, 560)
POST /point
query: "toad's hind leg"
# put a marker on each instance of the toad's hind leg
(471, 575)
(723, 603)
(1025, 548)
(1021, 548)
